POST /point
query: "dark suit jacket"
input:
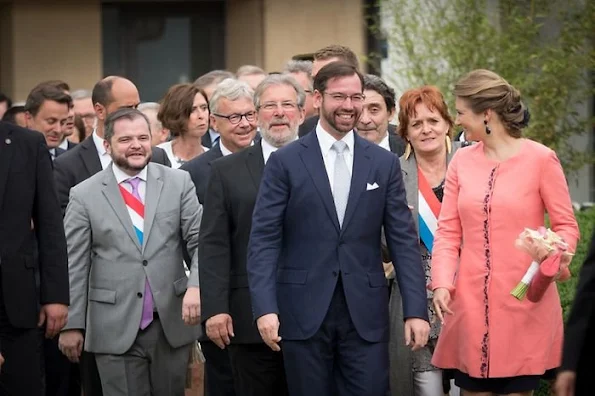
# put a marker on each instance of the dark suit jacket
(82, 162)
(59, 151)
(71, 145)
(297, 249)
(396, 144)
(309, 124)
(200, 169)
(580, 328)
(27, 194)
(206, 139)
(224, 233)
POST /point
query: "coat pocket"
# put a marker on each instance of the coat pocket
(102, 295)
(180, 286)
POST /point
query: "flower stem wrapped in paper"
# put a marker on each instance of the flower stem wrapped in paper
(550, 262)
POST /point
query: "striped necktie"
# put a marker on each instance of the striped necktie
(136, 210)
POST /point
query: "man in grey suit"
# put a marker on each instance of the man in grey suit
(125, 228)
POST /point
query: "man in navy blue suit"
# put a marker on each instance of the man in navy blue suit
(314, 261)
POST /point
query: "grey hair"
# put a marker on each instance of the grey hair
(125, 113)
(151, 106)
(212, 77)
(230, 89)
(279, 79)
(298, 66)
(81, 94)
(249, 70)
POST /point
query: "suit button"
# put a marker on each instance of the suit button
(145, 262)
(139, 295)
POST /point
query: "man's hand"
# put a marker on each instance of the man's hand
(1, 361)
(54, 316)
(70, 344)
(417, 332)
(220, 329)
(268, 327)
(191, 306)
(565, 383)
(441, 302)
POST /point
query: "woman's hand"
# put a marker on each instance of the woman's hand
(441, 302)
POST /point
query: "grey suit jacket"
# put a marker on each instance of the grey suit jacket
(108, 267)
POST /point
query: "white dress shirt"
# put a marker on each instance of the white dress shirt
(328, 155)
(267, 150)
(225, 151)
(104, 157)
(64, 144)
(52, 153)
(122, 176)
(384, 143)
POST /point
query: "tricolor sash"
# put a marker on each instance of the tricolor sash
(429, 209)
(136, 210)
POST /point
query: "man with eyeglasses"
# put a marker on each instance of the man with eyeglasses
(234, 116)
(225, 230)
(314, 268)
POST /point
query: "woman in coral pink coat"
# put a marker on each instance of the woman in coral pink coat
(494, 189)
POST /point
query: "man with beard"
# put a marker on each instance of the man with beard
(125, 228)
(225, 230)
(314, 268)
(46, 111)
(232, 114)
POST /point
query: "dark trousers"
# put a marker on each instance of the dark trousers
(22, 350)
(90, 375)
(257, 370)
(218, 374)
(62, 378)
(336, 360)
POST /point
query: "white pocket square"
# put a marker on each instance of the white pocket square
(370, 187)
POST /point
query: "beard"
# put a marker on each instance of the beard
(123, 163)
(279, 139)
(342, 126)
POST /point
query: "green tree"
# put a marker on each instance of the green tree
(543, 48)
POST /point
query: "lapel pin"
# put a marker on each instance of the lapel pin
(8, 141)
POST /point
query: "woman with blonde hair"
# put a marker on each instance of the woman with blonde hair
(496, 343)
(427, 127)
(185, 112)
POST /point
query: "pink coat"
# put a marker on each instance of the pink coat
(486, 206)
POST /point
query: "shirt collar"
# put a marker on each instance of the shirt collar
(64, 144)
(98, 143)
(326, 140)
(384, 143)
(225, 151)
(123, 176)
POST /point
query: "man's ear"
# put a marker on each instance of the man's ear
(107, 146)
(100, 111)
(317, 99)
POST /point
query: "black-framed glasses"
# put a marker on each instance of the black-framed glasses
(341, 98)
(235, 119)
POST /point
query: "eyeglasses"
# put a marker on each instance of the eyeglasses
(235, 119)
(341, 98)
(272, 106)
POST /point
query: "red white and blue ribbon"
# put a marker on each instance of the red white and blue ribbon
(429, 209)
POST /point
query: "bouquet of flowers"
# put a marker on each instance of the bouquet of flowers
(550, 256)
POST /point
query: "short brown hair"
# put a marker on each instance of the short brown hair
(484, 89)
(430, 96)
(176, 107)
(344, 54)
(333, 70)
(43, 92)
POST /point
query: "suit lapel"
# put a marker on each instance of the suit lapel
(152, 195)
(362, 164)
(90, 156)
(409, 170)
(114, 198)
(312, 158)
(255, 163)
(6, 150)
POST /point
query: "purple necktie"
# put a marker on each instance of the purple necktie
(137, 213)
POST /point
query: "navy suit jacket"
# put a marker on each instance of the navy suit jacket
(297, 249)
